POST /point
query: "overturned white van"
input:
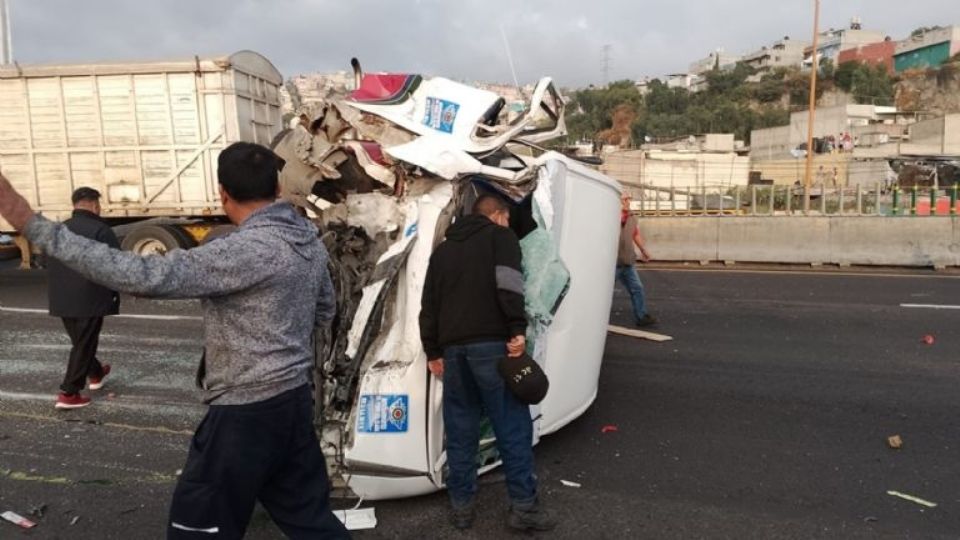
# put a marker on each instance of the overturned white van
(386, 172)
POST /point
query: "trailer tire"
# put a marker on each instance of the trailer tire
(152, 240)
(184, 240)
(218, 232)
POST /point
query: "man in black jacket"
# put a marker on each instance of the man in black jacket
(82, 304)
(472, 315)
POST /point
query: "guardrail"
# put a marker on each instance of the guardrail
(773, 200)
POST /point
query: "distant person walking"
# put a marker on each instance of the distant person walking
(264, 289)
(627, 263)
(82, 304)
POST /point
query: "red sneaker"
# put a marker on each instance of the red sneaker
(71, 401)
(96, 383)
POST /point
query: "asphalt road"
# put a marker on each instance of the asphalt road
(766, 417)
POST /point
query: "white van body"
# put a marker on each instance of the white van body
(392, 445)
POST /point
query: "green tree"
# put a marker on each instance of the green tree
(768, 90)
(592, 108)
(827, 68)
(843, 76)
(872, 85)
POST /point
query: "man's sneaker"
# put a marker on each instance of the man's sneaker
(96, 383)
(647, 320)
(71, 401)
(462, 518)
(532, 517)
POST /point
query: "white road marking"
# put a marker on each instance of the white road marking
(122, 316)
(126, 401)
(928, 306)
(810, 272)
(208, 530)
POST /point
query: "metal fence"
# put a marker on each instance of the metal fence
(773, 200)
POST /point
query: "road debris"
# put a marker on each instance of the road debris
(895, 442)
(870, 519)
(639, 334)
(357, 519)
(74, 520)
(609, 428)
(18, 520)
(928, 339)
(131, 510)
(570, 484)
(911, 498)
(39, 510)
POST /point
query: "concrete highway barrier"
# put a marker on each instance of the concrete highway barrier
(854, 240)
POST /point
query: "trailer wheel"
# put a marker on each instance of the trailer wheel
(184, 240)
(218, 232)
(154, 240)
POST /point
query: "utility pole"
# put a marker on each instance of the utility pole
(815, 67)
(6, 40)
(606, 64)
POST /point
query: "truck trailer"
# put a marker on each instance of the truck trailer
(144, 134)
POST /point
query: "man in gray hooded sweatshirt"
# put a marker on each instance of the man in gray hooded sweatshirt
(264, 289)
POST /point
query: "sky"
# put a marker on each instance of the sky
(459, 39)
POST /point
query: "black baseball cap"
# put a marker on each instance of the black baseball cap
(524, 378)
(85, 194)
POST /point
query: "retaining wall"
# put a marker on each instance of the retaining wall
(886, 241)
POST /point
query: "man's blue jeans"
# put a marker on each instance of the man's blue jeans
(472, 386)
(627, 275)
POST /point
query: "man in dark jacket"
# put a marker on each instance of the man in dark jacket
(472, 315)
(82, 304)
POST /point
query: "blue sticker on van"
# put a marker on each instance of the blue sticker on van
(383, 413)
(441, 114)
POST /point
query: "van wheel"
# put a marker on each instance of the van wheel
(156, 240)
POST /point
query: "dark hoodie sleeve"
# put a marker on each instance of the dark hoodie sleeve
(507, 261)
(429, 332)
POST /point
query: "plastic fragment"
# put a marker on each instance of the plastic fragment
(895, 442)
(928, 339)
(570, 484)
(39, 510)
(74, 520)
(911, 498)
(18, 520)
(609, 428)
(357, 518)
